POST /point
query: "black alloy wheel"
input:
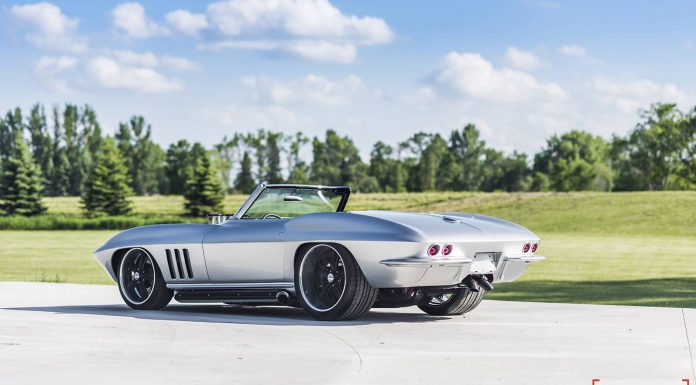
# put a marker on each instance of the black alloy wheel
(330, 285)
(140, 282)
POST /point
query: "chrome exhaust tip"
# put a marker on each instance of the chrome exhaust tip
(283, 297)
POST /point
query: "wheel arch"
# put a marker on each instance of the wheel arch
(116, 258)
(303, 247)
(118, 255)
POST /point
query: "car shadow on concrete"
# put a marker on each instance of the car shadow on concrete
(261, 315)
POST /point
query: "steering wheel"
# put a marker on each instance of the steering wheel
(270, 215)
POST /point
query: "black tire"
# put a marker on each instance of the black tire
(459, 302)
(321, 272)
(140, 281)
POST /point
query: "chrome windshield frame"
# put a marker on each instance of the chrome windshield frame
(343, 190)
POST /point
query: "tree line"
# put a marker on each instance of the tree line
(65, 152)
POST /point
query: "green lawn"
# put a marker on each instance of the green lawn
(609, 248)
(52, 256)
(609, 269)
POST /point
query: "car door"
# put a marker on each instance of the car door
(246, 250)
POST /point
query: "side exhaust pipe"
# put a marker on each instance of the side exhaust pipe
(283, 297)
(470, 283)
(476, 283)
(483, 282)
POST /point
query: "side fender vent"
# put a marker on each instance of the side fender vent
(182, 260)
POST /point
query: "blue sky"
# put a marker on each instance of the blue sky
(375, 70)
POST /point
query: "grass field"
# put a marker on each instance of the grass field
(609, 248)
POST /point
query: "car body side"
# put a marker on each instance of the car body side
(390, 247)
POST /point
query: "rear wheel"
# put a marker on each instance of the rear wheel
(330, 284)
(140, 281)
(457, 302)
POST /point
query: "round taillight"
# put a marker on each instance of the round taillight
(526, 247)
(447, 250)
(433, 250)
(534, 247)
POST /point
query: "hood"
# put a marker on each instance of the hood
(158, 234)
(455, 227)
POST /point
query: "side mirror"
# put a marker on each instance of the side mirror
(216, 219)
(292, 198)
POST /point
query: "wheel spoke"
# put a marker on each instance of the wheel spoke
(336, 290)
(142, 290)
(141, 262)
(334, 261)
(326, 295)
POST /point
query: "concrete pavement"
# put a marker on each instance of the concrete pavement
(84, 334)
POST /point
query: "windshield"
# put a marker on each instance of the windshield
(292, 202)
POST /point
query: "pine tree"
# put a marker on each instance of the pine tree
(21, 183)
(204, 191)
(245, 180)
(106, 189)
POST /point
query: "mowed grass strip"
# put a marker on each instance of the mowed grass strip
(668, 213)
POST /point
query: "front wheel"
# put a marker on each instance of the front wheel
(140, 281)
(330, 284)
(458, 302)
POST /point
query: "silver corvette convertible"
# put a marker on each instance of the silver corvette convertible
(295, 245)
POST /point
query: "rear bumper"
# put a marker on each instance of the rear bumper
(427, 262)
(450, 271)
(512, 267)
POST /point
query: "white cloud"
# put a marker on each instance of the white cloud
(180, 63)
(130, 18)
(522, 59)
(312, 29)
(311, 89)
(323, 51)
(54, 71)
(573, 50)
(259, 45)
(53, 29)
(317, 50)
(251, 117)
(142, 72)
(187, 22)
(302, 18)
(55, 64)
(633, 95)
(109, 73)
(149, 59)
(472, 76)
(423, 97)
